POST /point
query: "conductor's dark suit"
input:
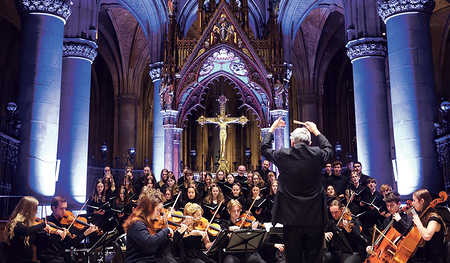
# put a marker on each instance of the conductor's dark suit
(300, 200)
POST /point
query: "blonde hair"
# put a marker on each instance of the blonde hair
(25, 213)
(233, 202)
(192, 208)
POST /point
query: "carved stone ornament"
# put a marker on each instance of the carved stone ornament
(366, 47)
(73, 49)
(59, 8)
(392, 7)
(155, 71)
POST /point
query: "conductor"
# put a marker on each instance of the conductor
(300, 200)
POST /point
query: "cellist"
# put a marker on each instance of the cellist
(402, 222)
(430, 226)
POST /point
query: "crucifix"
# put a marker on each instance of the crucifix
(222, 120)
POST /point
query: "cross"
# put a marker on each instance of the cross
(222, 120)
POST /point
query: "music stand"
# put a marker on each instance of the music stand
(245, 240)
(217, 245)
(103, 241)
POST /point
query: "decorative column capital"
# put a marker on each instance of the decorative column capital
(156, 70)
(80, 48)
(59, 8)
(366, 47)
(387, 8)
(169, 118)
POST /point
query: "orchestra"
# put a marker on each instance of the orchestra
(192, 218)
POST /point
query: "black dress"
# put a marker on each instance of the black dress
(18, 251)
(192, 251)
(433, 250)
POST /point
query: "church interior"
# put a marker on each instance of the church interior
(90, 83)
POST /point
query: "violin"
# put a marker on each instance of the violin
(346, 221)
(203, 225)
(53, 227)
(78, 223)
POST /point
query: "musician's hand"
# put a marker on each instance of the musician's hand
(255, 225)
(280, 247)
(258, 212)
(92, 228)
(369, 249)
(232, 228)
(183, 227)
(47, 228)
(188, 220)
(396, 217)
(387, 215)
(277, 123)
(328, 236)
(121, 214)
(416, 220)
(197, 233)
(170, 232)
(63, 233)
(383, 213)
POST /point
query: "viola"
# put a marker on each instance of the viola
(78, 223)
(346, 221)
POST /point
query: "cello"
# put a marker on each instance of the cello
(410, 243)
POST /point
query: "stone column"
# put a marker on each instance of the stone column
(127, 123)
(169, 123)
(39, 80)
(78, 55)
(279, 132)
(412, 92)
(371, 109)
(158, 129)
(176, 151)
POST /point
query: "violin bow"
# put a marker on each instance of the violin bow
(242, 223)
(176, 200)
(78, 214)
(349, 201)
(212, 218)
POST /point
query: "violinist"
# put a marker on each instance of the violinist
(431, 227)
(144, 244)
(191, 252)
(344, 239)
(51, 249)
(21, 230)
(234, 208)
(402, 222)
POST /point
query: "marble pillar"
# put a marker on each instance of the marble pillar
(158, 129)
(371, 107)
(412, 92)
(78, 55)
(39, 81)
(169, 124)
(177, 152)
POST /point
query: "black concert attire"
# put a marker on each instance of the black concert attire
(402, 226)
(253, 257)
(273, 253)
(241, 179)
(192, 251)
(144, 247)
(434, 249)
(170, 202)
(300, 200)
(345, 247)
(242, 200)
(359, 191)
(265, 175)
(183, 202)
(209, 209)
(227, 189)
(372, 204)
(221, 183)
(363, 179)
(340, 183)
(117, 209)
(51, 249)
(259, 208)
(18, 251)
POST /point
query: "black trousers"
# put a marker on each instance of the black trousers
(303, 244)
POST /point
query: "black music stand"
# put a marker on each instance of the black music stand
(103, 242)
(217, 245)
(245, 240)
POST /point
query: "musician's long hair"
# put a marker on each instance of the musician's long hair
(24, 213)
(147, 202)
(423, 194)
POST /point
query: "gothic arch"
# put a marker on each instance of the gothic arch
(223, 60)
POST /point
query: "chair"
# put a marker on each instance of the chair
(118, 254)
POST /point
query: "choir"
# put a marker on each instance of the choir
(143, 209)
